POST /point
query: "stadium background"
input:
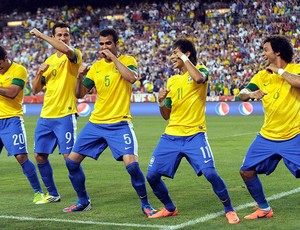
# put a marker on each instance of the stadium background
(227, 35)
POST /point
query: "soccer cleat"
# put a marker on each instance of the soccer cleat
(38, 197)
(148, 210)
(164, 213)
(48, 199)
(259, 213)
(232, 217)
(78, 207)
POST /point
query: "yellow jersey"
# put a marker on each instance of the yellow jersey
(113, 91)
(16, 75)
(188, 100)
(60, 81)
(281, 104)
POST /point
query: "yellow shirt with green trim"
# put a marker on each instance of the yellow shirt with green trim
(60, 81)
(16, 75)
(281, 104)
(113, 91)
(187, 101)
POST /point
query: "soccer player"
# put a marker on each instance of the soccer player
(110, 122)
(58, 122)
(278, 86)
(13, 78)
(183, 104)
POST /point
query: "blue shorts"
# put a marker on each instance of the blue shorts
(50, 132)
(263, 155)
(93, 139)
(13, 136)
(171, 149)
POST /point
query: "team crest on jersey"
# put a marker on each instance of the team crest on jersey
(190, 79)
(54, 72)
(151, 161)
(7, 76)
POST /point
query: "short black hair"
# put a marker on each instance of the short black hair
(282, 45)
(108, 31)
(60, 25)
(186, 45)
(3, 53)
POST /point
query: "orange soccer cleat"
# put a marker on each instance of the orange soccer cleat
(164, 213)
(259, 213)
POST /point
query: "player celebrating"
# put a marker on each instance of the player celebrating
(13, 78)
(57, 123)
(110, 122)
(279, 88)
(183, 103)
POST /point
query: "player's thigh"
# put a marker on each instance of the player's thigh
(166, 157)
(13, 136)
(65, 131)
(121, 139)
(259, 150)
(290, 151)
(45, 140)
(198, 152)
(262, 156)
(90, 141)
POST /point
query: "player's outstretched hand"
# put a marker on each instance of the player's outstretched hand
(106, 53)
(83, 69)
(162, 94)
(43, 68)
(272, 68)
(258, 94)
(35, 32)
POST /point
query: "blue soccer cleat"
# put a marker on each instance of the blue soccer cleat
(148, 210)
(78, 207)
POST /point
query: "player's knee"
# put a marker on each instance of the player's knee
(72, 165)
(152, 177)
(247, 175)
(210, 174)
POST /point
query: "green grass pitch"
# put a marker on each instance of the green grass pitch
(115, 203)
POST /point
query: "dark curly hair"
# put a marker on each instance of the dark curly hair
(282, 45)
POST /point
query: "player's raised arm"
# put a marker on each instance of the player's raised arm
(291, 78)
(37, 84)
(59, 40)
(164, 110)
(80, 89)
(191, 68)
(126, 73)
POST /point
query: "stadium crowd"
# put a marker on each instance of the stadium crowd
(227, 36)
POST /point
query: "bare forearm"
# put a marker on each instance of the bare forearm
(59, 45)
(8, 92)
(194, 72)
(37, 85)
(292, 79)
(80, 89)
(244, 97)
(165, 112)
(126, 73)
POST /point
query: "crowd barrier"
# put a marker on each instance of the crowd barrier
(213, 108)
